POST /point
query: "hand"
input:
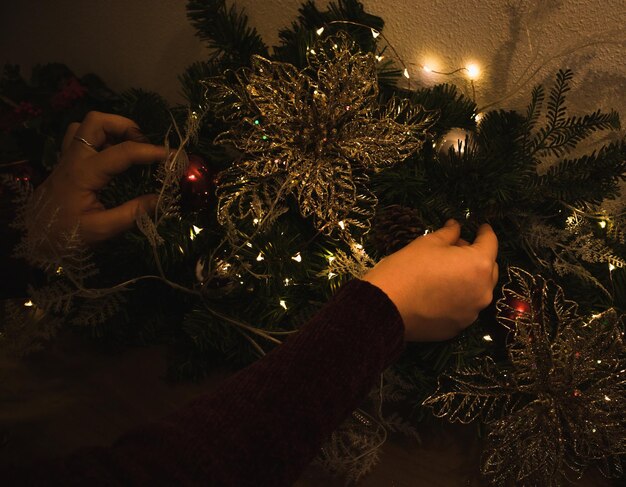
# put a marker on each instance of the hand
(439, 282)
(71, 189)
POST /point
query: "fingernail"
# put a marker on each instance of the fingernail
(135, 134)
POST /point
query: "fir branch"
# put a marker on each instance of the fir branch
(587, 180)
(561, 134)
(454, 109)
(533, 112)
(359, 23)
(225, 30)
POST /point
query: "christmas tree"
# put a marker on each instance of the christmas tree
(295, 169)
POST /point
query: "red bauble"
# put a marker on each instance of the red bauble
(198, 185)
(517, 308)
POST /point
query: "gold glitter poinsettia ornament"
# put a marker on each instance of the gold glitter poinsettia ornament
(559, 405)
(312, 134)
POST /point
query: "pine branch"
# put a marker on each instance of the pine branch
(295, 41)
(534, 108)
(587, 180)
(225, 30)
(561, 134)
(454, 108)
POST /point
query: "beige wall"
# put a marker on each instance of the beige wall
(146, 43)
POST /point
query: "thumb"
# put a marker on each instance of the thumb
(105, 224)
(450, 232)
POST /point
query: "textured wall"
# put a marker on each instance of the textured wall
(148, 42)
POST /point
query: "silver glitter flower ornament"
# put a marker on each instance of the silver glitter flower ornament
(312, 134)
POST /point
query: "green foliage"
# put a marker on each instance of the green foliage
(454, 108)
(226, 31)
(589, 179)
(498, 177)
(295, 41)
(150, 110)
(561, 133)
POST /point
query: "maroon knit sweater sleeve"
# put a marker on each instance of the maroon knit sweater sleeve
(263, 425)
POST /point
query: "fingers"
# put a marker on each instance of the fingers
(96, 173)
(102, 225)
(486, 241)
(102, 128)
(449, 233)
(68, 138)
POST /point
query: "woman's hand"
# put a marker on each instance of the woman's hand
(439, 282)
(94, 151)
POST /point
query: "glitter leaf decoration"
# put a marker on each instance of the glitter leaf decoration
(559, 405)
(311, 135)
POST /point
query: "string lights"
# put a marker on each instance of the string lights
(472, 70)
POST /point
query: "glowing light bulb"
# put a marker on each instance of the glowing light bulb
(331, 275)
(331, 258)
(29, 303)
(375, 33)
(406, 73)
(260, 257)
(488, 338)
(320, 31)
(342, 225)
(255, 221)
(473, 71)
(602, 223)
(197, 229)
(379, 58)
(59, 271)
(611, 267)
(297, 257)
(282, 303)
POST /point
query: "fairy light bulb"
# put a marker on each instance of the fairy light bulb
(320, 31)
(611, 267)
(29, 303)
(488, 338)
(602, 223)
(297, 257)
(283, 303)
(406, 73)
(473, 71)
(375, 33)
(260, 257)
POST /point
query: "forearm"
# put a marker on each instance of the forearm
(263, 425)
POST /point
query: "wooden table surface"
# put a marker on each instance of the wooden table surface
(74, 394)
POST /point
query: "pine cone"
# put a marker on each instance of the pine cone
(395, 226)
